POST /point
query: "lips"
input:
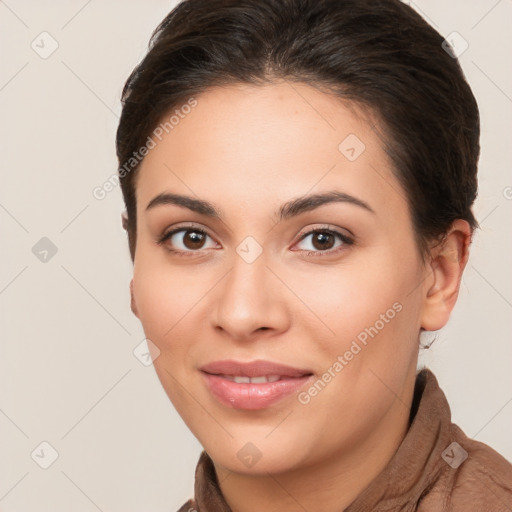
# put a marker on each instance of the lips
(259, 368)
(255, 385)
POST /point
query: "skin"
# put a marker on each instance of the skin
(248, 149)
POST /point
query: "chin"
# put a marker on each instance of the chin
(254, 457)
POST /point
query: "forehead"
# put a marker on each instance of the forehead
(248, 146)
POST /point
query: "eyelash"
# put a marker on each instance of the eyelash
(344, 238)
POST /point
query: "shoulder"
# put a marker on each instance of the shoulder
(461, 474)
(476, 477)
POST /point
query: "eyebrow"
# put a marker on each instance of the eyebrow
(288, 210)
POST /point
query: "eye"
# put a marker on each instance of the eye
(185, 240)
(324, 241)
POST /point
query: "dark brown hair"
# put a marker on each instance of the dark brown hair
(380, 54)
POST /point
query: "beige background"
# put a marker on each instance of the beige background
(68, 373)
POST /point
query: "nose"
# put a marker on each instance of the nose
(250, 299)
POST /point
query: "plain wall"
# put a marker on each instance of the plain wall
(68, 373)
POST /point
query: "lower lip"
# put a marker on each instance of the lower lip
(252, 396)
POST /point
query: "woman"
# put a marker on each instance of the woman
(298, 178)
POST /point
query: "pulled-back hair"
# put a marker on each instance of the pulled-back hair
(380, 54)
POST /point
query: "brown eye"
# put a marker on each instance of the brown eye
(193, 239)
(324, 241)
(186, 240)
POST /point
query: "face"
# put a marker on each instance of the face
(329, 286)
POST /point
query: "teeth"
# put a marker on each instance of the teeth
(252, 380)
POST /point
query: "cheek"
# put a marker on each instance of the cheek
(349, 298)
(371, 349)
(164, 295)
(172, 307)
(364, 308)
(165, 302)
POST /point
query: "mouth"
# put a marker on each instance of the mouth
(242, 379)
(255, 369)
(255, 385)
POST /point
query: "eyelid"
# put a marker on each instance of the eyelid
(328, 227)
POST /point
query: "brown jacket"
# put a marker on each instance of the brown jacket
(435, 469)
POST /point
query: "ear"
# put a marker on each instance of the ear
(447, 262)
(133, 304)
(124, 220)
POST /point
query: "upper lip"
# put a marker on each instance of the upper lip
(253, 369)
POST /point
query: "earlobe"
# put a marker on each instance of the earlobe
(133, 304)
(448, 260)
(124, 220)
